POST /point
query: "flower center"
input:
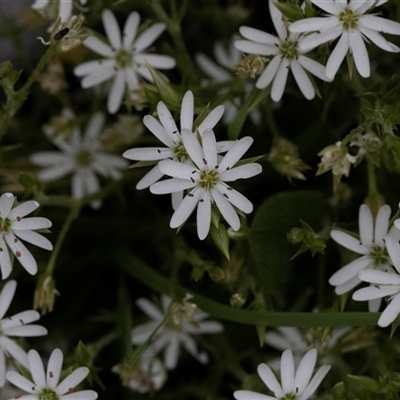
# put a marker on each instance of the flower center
(208, 179)
(289, 50)
(348, 18)
(5, 224)
(379, 255)
(84, 158)
(124, 58)
(180, 152)
(48, 394)
(289, 396)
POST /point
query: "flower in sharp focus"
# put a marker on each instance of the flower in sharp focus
(13, 227)
(349, 21)
(55, 9)
(206, 178)
(287, 55)
(45, 383)
(166, 131)
(372, 247)
(383, 283)
(147, 375)
(81, 156)
(295, 385)
(17, 325)
(125, 57)
(183, 320)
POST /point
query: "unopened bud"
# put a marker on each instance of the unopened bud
(238, 300)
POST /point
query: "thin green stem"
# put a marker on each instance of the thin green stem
(271, 121)
(372, 185)
(19, 97)
(73, 213)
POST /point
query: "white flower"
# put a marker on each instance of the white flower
(227, 59)
(18, 326)
(347, 20)
(148, 375)
(294, 385)
(383, 284)
(286, 49)
(371, 245)
(83, 157)
(44, 384)
(13, 227)
(64, 8)
(125, 57)
(167, 132)
(176, 331)
(206, 178)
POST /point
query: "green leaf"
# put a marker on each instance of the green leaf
(220, 238)
(291, 11)
(8, 77)
(366, 382)
(277, 215)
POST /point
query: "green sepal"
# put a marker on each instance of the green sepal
(31, 185)
(167, 93)
(8, 77)
(366, 382)
(140, 164)
(290, 11)
(220, 237)
(338, 391)
(248, 160)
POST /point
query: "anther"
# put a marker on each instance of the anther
(18, 219)
(158, 151)
(192, 179)
(191, 195)
(204, 161)
(18, 253)
(225, 195)
(15, 240)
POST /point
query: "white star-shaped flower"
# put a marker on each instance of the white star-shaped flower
(383, 284)
(348, 21)
(371, 246)
(83, 157)
(125, 57)
(167, 132)
(294, 385)
(176, 331)
(287, 55)
(45, 383)
(206, 178)
(13, 227)
(16, 325)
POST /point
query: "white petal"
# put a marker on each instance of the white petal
(148, 37)
(116, 93)
(348, 241)
(141, 332)
(56, 171)
(226, 209)
(241, 172)
(258, 36)
(23, 209)
(374, 305)
(78, 185)
(190, 345)
(382, 224)
(360, 54)
(269, 73)
(72, 380)
(98, 46)
(21, 382)
(30, 223)
(6, 203)
(171, 353)
(131, 80)
(176, 198)
(5, 261)
(379, 277)
(374, 292)
(393, 248)
(193, 148)
(378, 39)
(212, 119)
(130, 29)
(312, 24)
(235, 153)
(93, 128)
(100, 75)
(236, 198)
(210, 148)
(159, 131)
(3, 367)
(278, 86)
(187, 110)
(148, 153)
(203, 216)
(279, 25)
(330, 6)
(305, 370)
(178, 170)
(380, 24)
(149, 308)
(171, 186)
(255, 48)
(287, 371)
(302, 80)
(314, 67)
(54, 368)
(337, 55)
(166, 119)
(214, 71)
(347, 286)
(22, 253)
(81, 395)
(6, 297)
(151, 177)
(65, 11)
(390, 313)
(325, 36)
(186, 207)
(247, 395)
(156, 60)
(349, 271)
(315, 382)
(112, 29)
(270, 380)
(36, 369)
(22, 318)
(13, 349)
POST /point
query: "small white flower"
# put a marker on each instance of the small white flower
(13, 227)
(64, 8)
(294, 385)
(125, 57)
(206, 178)
(176, 331)
(148, 375)
(287, 55)
(349, 21)
(83, 157)
(227, 59)
(166, 131)
(371, 245)
(16, 325)
(383, 284)
(45, 385)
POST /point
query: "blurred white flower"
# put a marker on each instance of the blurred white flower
(287, 56)
(83, 157)
(167, 132)
(45, 383)
(348, 21)
(18, 325)
(182, 319)
(13, 227)
(61, 8)
(125, 57)
(295, 385)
